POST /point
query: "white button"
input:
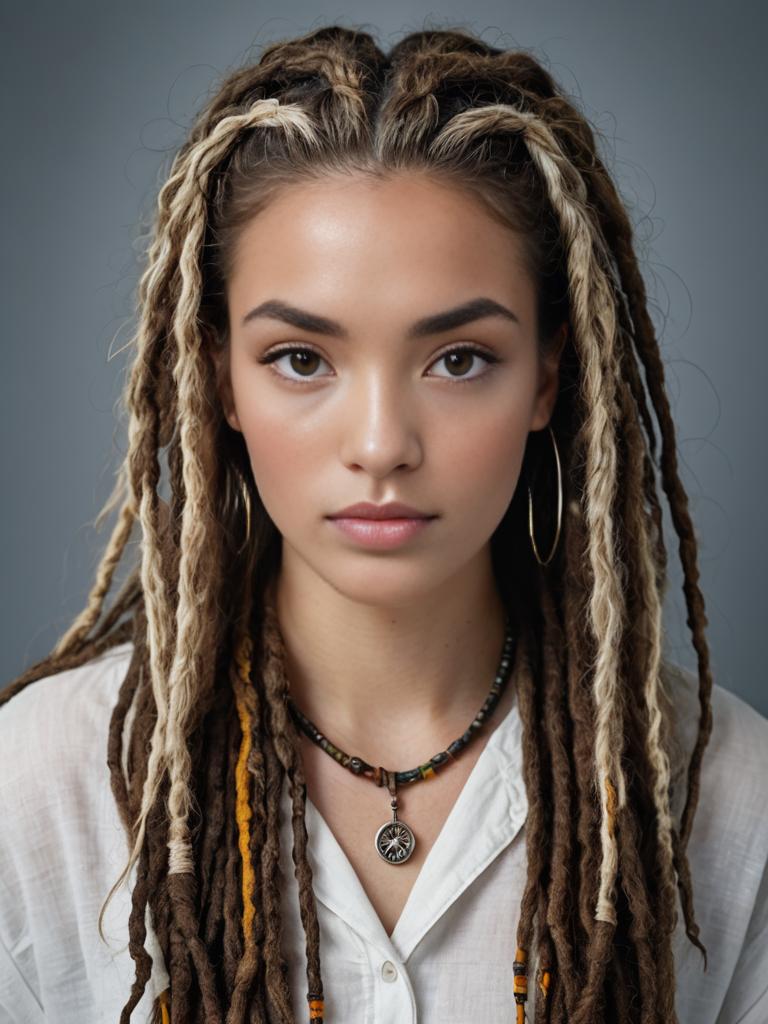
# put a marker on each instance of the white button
(388, 971)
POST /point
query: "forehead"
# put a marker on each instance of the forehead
(392, 239)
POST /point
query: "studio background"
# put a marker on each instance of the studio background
(97, 96)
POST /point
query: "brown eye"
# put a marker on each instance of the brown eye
(298, 362)
(303, 361)
(459, 362)
(462, 360)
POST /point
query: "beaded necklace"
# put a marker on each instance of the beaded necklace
(395, 840)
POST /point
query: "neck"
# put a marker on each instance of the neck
(389, 682)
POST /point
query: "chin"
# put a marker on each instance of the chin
(386, 582)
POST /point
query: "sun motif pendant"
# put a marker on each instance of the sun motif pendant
(395, 841)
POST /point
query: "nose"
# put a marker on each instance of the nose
(380, 432)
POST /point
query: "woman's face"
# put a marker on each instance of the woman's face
(363, 381)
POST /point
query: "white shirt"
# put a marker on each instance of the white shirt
(449, 959)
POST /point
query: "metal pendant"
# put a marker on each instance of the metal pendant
(395, 841)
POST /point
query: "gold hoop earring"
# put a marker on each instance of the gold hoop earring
(559, 508)
(247, 504)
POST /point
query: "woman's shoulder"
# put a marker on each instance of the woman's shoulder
(739, 739)
(77, 693)
(58, 724)
(729, 838)
(727, 854)
(62, 845)
(735, 760)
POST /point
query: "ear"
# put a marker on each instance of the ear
(549, 380)
(224, 386)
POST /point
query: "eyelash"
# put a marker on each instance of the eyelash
(275, 354)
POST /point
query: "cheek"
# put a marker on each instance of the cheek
(481, 457)
(280, 452)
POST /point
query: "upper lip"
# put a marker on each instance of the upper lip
(392, 510)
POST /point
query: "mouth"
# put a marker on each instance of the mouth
(382, 534)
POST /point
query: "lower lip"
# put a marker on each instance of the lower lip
(381, 533)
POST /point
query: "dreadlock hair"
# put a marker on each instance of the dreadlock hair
(210, 741)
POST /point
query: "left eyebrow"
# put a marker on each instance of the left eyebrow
(437, 323)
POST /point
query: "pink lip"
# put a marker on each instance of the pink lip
(389, 510)
(382, 534)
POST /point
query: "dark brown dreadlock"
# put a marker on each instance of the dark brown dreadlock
(210, 742)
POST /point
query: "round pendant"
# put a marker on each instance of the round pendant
(395, 842)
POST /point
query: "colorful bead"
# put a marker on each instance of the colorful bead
(545, 980)
(316, 1007)
(520, 988)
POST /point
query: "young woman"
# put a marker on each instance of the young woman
(383, 705)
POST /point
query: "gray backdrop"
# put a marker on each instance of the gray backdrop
(97, 95)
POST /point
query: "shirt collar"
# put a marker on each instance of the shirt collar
(489, 812)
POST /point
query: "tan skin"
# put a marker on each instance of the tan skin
(390, 653)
